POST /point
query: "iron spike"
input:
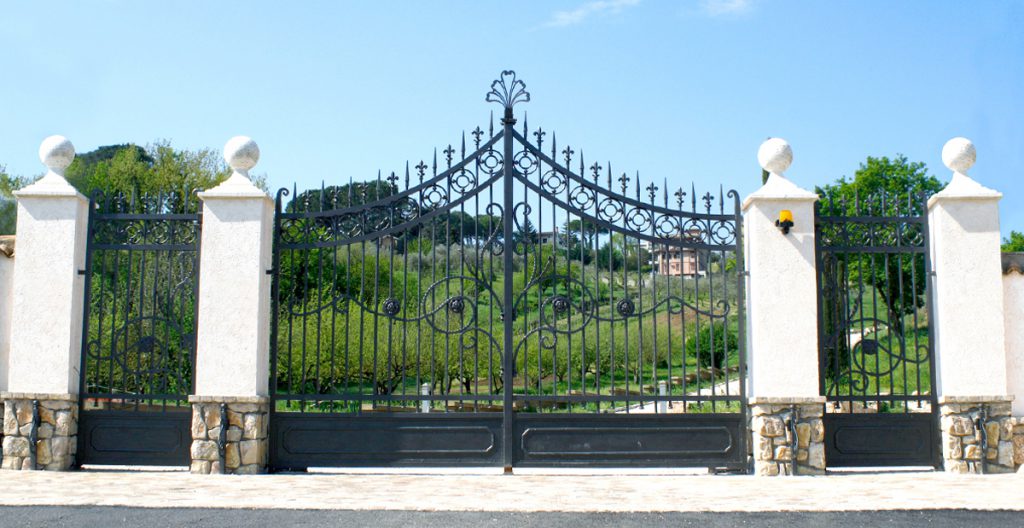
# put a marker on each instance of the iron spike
(526, 129)
(463, 144)
(664, 190)
(693, 196)
(491, 126)
(554, 145)
(721, 200)
(323, 192)
(637, 185)
(609, 175)
(435, 161)
(582, 165)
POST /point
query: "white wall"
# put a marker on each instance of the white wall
(1013, 316)
(6, 301)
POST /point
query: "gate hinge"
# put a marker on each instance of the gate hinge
(270, 271)
(81, 272)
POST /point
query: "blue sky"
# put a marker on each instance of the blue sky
(683, 91)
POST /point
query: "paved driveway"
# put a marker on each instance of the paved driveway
(465, 491)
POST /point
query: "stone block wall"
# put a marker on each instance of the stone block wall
(229, 434)
(49, 421)
(978, 435)
(788, 436)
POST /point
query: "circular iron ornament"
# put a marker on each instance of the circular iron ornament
(625, 307)
(609, 210)
(456, 305)
(462, 181)
(553, 182)
(526, 162)
(391, 307)
(560, 304)
(491, 161)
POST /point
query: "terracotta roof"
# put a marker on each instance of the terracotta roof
(1013, 261)
(7, 245)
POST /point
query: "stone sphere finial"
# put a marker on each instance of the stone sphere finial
(56, 152)
(775, 155)
(241, 153)
(959, 155)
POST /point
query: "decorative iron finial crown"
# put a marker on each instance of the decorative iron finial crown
(507, 91)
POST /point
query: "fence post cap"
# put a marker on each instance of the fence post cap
(959, 154)
(56, 152)
(241, 153)
(775, 155)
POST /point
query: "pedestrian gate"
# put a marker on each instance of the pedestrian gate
(506, 303)
(875, 331)
(138, 344)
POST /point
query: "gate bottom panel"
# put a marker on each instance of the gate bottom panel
(137, 438)
(863, 440)
(637, 440)
(303, 440)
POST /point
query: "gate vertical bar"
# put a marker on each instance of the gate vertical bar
(508, 314)
(741, 326)
(929, 291)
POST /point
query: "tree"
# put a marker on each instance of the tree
(1014, 243)
(881, 186)
(898, 178)
(157, 169)
(8, 206)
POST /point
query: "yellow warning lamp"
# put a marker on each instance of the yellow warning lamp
(785, 221)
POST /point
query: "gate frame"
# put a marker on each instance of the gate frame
(913, 426)
(566, 433)
(136, 434)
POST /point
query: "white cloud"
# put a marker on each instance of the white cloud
(726, 7)
(587, 10)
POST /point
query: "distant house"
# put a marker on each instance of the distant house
(549, 237)
(678, 261)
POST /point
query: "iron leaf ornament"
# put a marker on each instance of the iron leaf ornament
(507, 91)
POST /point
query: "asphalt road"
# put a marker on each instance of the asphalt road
(101, 516)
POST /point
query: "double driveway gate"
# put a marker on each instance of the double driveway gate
(875, 331)
(495, 306)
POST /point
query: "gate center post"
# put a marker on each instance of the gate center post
(232, 349)
(508, 312)
(786, 407)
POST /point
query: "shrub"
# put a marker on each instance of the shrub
(715, 344)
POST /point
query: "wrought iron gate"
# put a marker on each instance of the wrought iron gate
(138, 344)
(875, 331)
(495, 307)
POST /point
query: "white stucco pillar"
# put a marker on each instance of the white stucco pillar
(6, 303)
(46, 320)
(782, 297)
(234, 286)
(783, 321)
(230, 407)
(963, 221)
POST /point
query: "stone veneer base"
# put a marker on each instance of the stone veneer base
(51, 420)
(788, 434)
(990, 448)
(241, 448)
